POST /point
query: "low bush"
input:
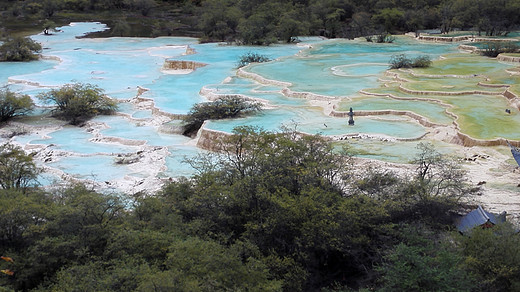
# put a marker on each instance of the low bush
(251, 58)
(222, 108)
(79, 102)
(422, 62)
(402, 61)
(493, 49)
(12, 105)
(19, 49)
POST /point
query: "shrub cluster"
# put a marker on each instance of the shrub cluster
(493, 49)
(222, 108)
(19, 49)
(78, 102)
(12, 105)
(251, 58)
(383, 37)
(402, 61)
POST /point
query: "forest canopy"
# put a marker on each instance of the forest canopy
(269, 212)
(267, 21)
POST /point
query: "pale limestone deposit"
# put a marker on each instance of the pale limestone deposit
(506, 58)
(463, 38)
(180, 67)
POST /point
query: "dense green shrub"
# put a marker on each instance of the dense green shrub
(493, 49)
(402, 61)
(12, 105)
(121, 28)
(251, 57)
(79, 102)
(421, 263)
(17, 169)
(384, 37)
(493, 256)
(222, 108)
(422, 62)
(19, 49)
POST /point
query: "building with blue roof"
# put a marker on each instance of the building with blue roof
(479, 217)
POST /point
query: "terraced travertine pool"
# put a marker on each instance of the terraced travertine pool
(307, 85)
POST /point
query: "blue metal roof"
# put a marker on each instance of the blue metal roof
(476, 218)
(516, 154)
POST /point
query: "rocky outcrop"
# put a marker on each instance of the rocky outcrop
(190, 51)
(506, 58)
(446, 93)
(118, 140)
(493, 85)
(467, 141)
(306, 95)
(149, 104)
(181, 65)
(462, 38)
(468, 48)
(242, 73)
(432, 38)
(513, 98)
(211, 139)
(212, 94)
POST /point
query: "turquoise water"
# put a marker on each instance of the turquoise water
(403, 152)
(314, 122)
(99, 167)
(77, 140)
(335, 68)
(434, 112)
(175, 162)
(119, 127)
(343, 67)
(20, 68)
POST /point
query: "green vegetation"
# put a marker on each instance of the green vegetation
(402, 61)
(12, 105)
(78, 102)
(17, 170)
(493, 49)
(19, 49)
(492, 256)
(271, 212)
(48, 26)
(120, 28)
(251, 58)
(222, 108)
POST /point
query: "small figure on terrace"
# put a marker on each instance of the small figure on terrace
(351, 117)
(508, 111)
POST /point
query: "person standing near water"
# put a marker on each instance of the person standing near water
(351, 117)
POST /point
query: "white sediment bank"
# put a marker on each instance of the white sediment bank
(462, 38)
